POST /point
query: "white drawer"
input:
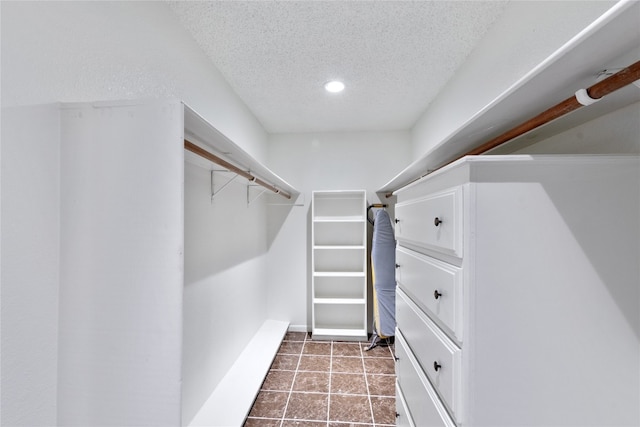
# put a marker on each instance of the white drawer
(438, 356)
(403, 419)
(417, 402)
(434, 286)
(433, 222)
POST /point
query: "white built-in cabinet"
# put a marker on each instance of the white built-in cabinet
(519, 292)
(117, 195)
(339, 260)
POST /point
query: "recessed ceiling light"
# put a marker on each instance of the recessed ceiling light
(334, 86)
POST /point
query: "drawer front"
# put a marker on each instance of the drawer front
(416, 401)
(433, 285)
(433, 222)
(403, 419)
(438, 356)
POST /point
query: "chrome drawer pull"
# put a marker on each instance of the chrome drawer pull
(437, 221)
(436, 366)
(436, 294)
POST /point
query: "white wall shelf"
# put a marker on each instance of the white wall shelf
(339, 301)
(338, 274)
(339, 263)
(614, 36)
(202, 134)
(339, 219)
(337, 247)
(342, 333)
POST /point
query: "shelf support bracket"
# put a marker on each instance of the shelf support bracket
(214, 193)
(249, 199)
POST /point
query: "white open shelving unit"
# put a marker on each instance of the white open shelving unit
(339, 260)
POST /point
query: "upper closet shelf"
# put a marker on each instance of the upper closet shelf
(201, 134)
(609, 43)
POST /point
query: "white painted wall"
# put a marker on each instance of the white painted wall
(225, 288)
(524, 35)
(614, 133)
(88, 51)
(76, 51)
(336, 161)
(30, 214)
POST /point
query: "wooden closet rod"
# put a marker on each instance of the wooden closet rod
(189, 146)
(612, 83)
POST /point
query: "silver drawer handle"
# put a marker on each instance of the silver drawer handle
(437, 221)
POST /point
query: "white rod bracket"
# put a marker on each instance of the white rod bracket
(249, 199)
(583, 98)
(215, 193)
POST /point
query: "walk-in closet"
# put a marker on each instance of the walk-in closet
(320, 214)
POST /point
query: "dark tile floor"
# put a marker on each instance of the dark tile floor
(326, 384)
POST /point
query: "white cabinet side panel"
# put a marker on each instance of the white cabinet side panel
(556, 298)
(121, 265)
(30, 264)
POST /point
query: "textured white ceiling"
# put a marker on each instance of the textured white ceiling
(393, 56)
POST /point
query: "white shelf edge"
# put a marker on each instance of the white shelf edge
(338, 247)
(338, 274)
(345, 218)
(200, 132)
(346, 332)
(339, 301)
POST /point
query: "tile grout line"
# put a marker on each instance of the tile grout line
(329, 391)
(366, 381)
(284, 412)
